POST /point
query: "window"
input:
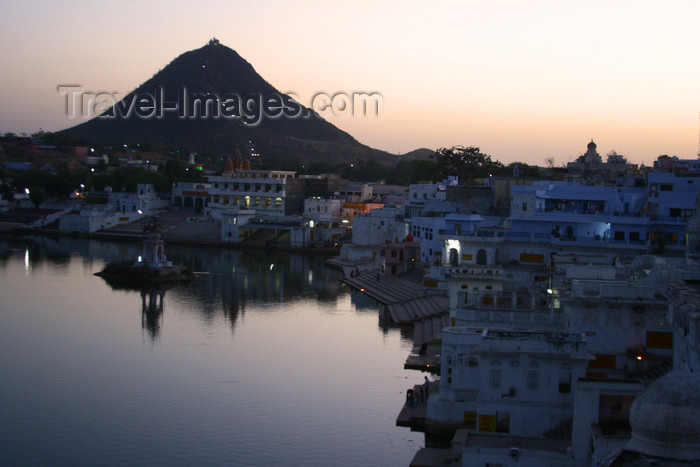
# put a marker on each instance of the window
(533, 379)
(619, 235)
(602, 361)
(524, 207)
(634, 236)
(502, 422)
(565, 379)
(659, 340)
(494, 378)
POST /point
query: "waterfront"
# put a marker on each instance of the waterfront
(262, 360)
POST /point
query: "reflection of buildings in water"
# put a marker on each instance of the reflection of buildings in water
(365, 303)
(152, 311)
(232, 310)
(236, 277)
(59, 251)
(233, 277)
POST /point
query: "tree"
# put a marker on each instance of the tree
(37, 195)
(467, 163)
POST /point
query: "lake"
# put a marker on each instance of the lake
(263, 359)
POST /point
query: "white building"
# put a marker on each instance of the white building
(323, 210)
(377, 227)
(92, 219)
(191, 195)
(633, 218)
(145, 200)
(234, 225)
(420, 194)
(355, 193)
(495, 380)
(268, 192)
(119, 208)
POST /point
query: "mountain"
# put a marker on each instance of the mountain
(170, 109)
(418, 154)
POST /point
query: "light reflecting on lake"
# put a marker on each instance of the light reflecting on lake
(261, 360)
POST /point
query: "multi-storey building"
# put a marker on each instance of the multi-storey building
(268, 192)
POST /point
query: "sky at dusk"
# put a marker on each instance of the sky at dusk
(523, 80)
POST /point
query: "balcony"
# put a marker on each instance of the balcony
(476, 272)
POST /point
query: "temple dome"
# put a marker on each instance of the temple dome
(592, 146)
(665, 418)
(238, 163)
(228, 165)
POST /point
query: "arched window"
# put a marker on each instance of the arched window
(454, 260)
(481, 257)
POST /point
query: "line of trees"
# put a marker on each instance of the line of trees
(468, 163)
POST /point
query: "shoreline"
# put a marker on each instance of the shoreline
(138, 237)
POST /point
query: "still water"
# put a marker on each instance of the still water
(263, 359)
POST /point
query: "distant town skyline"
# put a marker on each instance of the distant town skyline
(524, 81)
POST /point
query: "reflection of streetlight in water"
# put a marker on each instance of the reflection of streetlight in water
(140, 214)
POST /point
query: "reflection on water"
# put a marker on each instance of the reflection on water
(262, 359)
(152, 310)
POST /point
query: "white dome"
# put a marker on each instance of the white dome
(665, 418)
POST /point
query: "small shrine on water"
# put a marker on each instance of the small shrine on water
(153, 249)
